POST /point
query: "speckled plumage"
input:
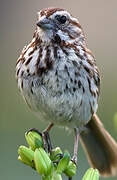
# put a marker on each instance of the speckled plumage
(57, 75)
(59, 80)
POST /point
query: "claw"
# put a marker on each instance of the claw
(74, 160)
(46, 138)
(46, 141)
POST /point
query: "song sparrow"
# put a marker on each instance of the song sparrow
(59, 80)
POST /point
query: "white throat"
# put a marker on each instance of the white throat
(45, 35)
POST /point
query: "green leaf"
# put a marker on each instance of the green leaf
(42, 161)
(91, 174)
(34, 140)
(71, 169)
(54, 154)
(26, 156)
(63, 163)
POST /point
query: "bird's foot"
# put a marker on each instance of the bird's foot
(45, 137)
(74, 160)
(46, 141)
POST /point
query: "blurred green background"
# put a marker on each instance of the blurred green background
(18, 17)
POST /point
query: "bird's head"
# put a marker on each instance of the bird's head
(55, 24)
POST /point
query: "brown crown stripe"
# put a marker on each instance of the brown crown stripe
(49, 11)
(28, 61)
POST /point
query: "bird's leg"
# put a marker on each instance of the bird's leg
(46, 138)
(74, 158)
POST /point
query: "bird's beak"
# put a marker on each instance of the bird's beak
(45, 24)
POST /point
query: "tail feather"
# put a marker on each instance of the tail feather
(100, 147)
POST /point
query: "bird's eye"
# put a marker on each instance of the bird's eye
(61, 19)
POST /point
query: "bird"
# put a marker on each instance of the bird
(58, 78)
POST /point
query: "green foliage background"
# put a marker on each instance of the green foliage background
(17, 25)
